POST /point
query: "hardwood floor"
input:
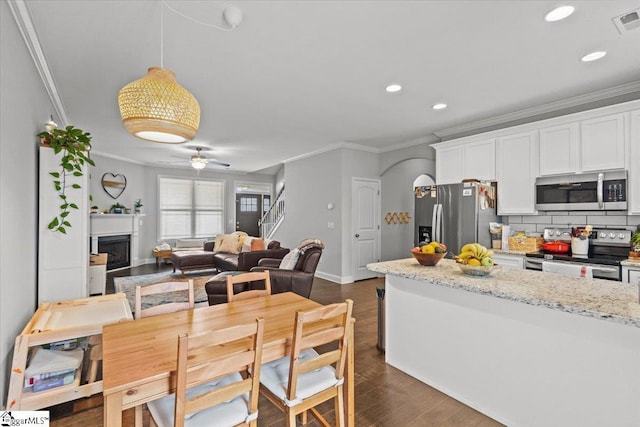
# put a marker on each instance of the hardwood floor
(384, 396)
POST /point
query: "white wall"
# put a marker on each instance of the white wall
(397, 196)
(24, 107)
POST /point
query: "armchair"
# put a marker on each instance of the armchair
(300, 278)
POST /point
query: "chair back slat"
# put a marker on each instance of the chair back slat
(193, 367)
(329, 324)
(161, 288)
(248, 277)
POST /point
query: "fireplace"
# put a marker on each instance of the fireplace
(118, 248)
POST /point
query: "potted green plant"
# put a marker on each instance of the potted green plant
(73, 145)
(137, 206)
(117, 208)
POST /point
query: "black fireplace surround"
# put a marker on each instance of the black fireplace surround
(118, 248)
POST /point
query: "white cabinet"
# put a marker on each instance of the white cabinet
(97, 279)
(63, 259)
(559, 149)
(449, 164)
(509, 261)
(602, 143)
(632, 166)
(470, 160)
(479, 160)
(631, 275)
(516, 173)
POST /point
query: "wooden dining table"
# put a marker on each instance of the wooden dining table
(139, 356)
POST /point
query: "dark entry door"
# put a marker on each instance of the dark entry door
(248, 213)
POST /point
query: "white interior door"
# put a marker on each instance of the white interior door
(365, 211)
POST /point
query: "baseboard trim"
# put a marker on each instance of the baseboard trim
(333, 278)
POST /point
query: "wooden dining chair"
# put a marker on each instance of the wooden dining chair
(299, 382)
(209, 388)
(160, 288)
(248, 277)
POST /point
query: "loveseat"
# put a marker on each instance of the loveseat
(233, 256)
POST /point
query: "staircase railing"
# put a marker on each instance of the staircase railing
(272, 219)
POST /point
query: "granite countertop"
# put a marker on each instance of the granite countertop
(601, 299)
(631, 262)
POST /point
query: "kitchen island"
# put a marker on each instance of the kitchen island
(526, 348)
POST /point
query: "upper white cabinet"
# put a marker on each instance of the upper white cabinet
(479, 160)
(449, 164)
(602, 143)
(516, 173)
(559, 149)
(634, 161)
(471, 160)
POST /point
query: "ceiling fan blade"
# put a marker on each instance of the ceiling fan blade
(173, 161)
(219, 163)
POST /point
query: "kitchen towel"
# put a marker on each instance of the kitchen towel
(573, 270)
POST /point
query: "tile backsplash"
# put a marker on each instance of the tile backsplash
(567, 219)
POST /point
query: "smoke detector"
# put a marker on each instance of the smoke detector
(627, 21)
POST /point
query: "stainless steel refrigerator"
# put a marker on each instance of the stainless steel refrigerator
(455, 214)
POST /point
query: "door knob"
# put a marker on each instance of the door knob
(357, 235)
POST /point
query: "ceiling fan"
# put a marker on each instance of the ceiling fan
(199, 161)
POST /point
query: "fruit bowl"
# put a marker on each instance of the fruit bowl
(428, 260)
(476, 270)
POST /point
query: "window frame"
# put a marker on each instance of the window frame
(193, 211)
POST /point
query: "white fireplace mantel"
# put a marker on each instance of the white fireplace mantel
(116, 225)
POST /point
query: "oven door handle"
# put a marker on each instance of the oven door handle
(534, 261)
(605, 269)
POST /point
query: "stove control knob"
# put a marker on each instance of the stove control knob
(558, 232)
(621, 236)
(603, 235)
(612, 235)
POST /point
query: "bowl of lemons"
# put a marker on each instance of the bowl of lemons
(429, 254)
(475, 260)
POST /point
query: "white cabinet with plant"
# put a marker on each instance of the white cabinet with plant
(516, 172)
(63, 235)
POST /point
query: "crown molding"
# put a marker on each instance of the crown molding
(429, 139)
(348, 145)
(541, 109)
(21, 15)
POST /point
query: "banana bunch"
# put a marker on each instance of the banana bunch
(475, 254)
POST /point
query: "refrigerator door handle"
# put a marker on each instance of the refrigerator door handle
(434, 222)
(439, 224)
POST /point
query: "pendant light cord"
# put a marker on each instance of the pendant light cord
(161, 34)
(196, 21)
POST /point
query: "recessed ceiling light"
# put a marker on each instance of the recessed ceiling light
(593, 56)
(394, 88)
(439, 106)
(559, 13)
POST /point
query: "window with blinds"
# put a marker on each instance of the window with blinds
(190, 208)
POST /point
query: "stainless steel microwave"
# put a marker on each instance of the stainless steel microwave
(586, 192)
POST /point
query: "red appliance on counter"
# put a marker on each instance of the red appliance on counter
(556, 247)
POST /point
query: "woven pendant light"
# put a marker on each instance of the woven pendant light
(157, 108)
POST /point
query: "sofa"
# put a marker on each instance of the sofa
(212, 255)
(296, 277)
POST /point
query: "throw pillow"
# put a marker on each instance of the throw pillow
(290, 260)
(246, 244)
(219, 239)
(230, 245)
(257, 244)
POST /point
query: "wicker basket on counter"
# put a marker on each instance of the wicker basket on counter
(525, 244)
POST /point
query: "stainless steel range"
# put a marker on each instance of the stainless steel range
(607, 248)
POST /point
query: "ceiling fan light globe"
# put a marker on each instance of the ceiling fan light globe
(198, 162)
